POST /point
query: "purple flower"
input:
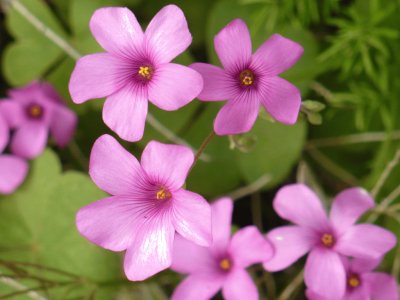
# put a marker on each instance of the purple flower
(32, 111)
(247, 80)
(325, 238)
(135, 68)
(363, 284)
(13, 169)
(223, 264)
(147, 207)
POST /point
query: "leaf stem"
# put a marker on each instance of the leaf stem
(203, 146)
(250, 189)
(292, 287)
(385, 174)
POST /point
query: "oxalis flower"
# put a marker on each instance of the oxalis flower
(362, 283)
(33, 111)
(12, 168)
(247, 80)
(147, 207)
(136, 67)
(223, 264)
(325, 238)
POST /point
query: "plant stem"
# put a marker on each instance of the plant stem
(385, 174)
(202, 148)
(250, 189)
(292, 287)
(20, 287)
(384, 205)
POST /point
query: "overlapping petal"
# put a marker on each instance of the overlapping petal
(198, 287)
(29, 140)
(239, 285)
(13, 171)
(381, 286)
(63, 125)
(221, 214)
(12, 112)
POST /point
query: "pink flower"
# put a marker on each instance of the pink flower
(13, 169)
(362, 283)
(135, 68)
(223, 264)
(32, 111)
(247, 80)
(147, 207)
(325, 239)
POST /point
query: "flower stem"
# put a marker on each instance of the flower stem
(202, 148)
(292, 287)
(385, 174)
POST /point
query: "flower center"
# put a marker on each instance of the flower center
(163, 194)
(34, 111)
(225, 264)
(327, 240)
(353, 281)
(247, 77)
(145, 72)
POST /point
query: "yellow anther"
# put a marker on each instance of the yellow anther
(327, 240)
(145, 72)
(35, 111)
(225, 264)
(353, 281)
(247, 77)
(163, 194)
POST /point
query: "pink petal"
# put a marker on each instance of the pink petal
(348, 206)
(365, 241)
(299, 204)
(289, 243)
(125, 113)
(192, 217)
(197, 287)
(217, 85)
(114, 169)
(50, 92)
(239, 285)
(281, 99)
(4, 133)
(151, 251)
(233, 46)
(190, 258)
(12, 112)
(359, 265)
(168, 34)
(237, 115)
(96, 76)
(30, 140)
(221, 212)
(110, 223)
(117, 30)
(13, 171)
(314, 296)
(174, 86)
(381, 286)
(324, 273)
(167, 164)
(277, 54)
(63, 125)
(248, 246)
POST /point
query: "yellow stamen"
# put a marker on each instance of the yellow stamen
(163, 194)
(35, 111)
(327, 240)
(247, 77)
(145, 72)
(353, 281)
(225, 264)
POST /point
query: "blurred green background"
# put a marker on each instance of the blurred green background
(350, 68)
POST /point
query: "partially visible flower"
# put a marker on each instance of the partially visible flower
(148, 205)
(33, 111)
(248, 80)
(135, 68)
(223, 264)
(325, 239)
(363, 283)
(13, 169)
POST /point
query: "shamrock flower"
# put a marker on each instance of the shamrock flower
(12, 168)
(147, 207)
(223, 264)
(32, 111)
(247, 80)
(135, 68)
(362, 283)
(325, 239)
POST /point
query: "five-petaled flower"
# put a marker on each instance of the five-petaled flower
(326, 238)
(223, 264)
(136, 68)
(247, 80)
(147, 207)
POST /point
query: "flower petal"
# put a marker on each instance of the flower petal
(125, 113)
(4, 133)
(151, 251)
(299, 204)
(359, 265)
(168, 34)
(117, 30)
(348, 206)
(217, 85)
(114, 169)
(174, 86)
(30, 140)
(237, 115)
(314, 296)
(365, 241)
(221, 213)
(13, 171)
(233, 46)
(63, 125)
(324, 273)
(96, 76)
(12, 112)
(198, 287)
(239, 285)
(192, 217)
(248, 246)
(167, 164)
(289, 243)
(281, 99)
(381, 286)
